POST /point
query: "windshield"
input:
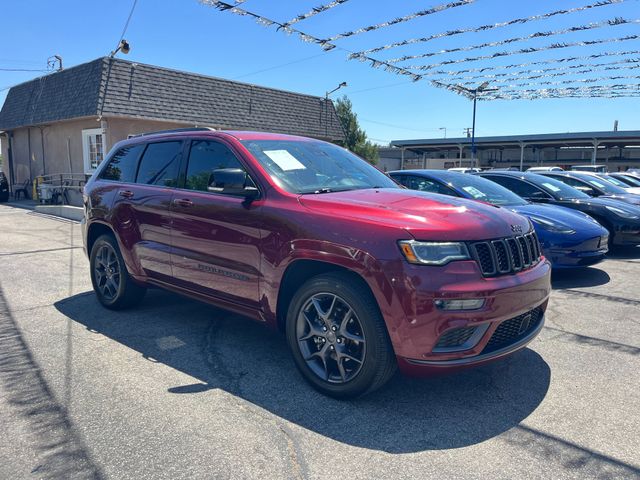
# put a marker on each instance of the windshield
(556, 188)
(614, 180)
(484, 190)
(304, 167)
(631, 180)
(603, 185)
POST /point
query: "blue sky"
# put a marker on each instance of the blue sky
(186, 35)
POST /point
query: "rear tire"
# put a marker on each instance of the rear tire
(111, 281)
(338, 337)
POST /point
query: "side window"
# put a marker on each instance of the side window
(426, 185)
(524, 189)
(123, 164)
(572, 182)
(159, 164)
(205, 157)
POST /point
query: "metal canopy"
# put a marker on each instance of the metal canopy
(587, 50)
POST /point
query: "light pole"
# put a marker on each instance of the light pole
(474, 92)
(445, 131)
(326, 107)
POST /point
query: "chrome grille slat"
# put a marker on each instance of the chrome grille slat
(508, 255)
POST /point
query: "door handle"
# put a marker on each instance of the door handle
(183, 202)
(125, 193)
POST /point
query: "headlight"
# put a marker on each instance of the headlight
(433, 253)
(552, 226)
(622, 213)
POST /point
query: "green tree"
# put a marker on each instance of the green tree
(356, 138)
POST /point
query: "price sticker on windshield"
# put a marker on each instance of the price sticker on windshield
(474, 192)
(284, 160)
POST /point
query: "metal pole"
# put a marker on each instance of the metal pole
(473, 130)
(521, 156)
(594, 156)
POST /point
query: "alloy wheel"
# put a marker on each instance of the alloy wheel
(331, 338)
(107, 272)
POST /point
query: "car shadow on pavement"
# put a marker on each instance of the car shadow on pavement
(225, 351)
(624, 253)
(579, 278)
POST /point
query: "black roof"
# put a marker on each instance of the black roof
(576, 138)
(115, 87)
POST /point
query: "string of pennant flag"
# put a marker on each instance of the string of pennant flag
(526, 83)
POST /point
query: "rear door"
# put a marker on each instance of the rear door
(141, 209)
(216, 237)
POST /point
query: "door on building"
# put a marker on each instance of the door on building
(92, 148)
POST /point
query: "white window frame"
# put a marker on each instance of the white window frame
(86, 133)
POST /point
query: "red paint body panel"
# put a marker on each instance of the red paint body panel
(235, 254)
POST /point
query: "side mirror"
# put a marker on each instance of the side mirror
(232, 181)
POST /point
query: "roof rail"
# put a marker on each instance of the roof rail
(175, 130)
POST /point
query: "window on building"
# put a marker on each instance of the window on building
(92, 148)
(123, 164)
(159, 164)
(205, 157)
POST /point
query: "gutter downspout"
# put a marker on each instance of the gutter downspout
(44, 165)
(29, 153)
(12, 175)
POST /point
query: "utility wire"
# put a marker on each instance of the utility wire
(126, 25)
(22, 70)
(300, 60)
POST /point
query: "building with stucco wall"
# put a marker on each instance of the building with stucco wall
(67, 121)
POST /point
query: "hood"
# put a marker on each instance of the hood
(628, 198)
(603, 202)
(426, 216)
(560, 216)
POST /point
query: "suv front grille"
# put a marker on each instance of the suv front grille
(514, 330)
(506, 255)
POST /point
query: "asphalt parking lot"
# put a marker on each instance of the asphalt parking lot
(178, 389)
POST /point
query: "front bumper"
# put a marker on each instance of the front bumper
(417, 326)
(421, 367)
(588, 252)
(628, 236)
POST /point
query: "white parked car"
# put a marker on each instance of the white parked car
(465, 170)
(545, 169)
(590, 168)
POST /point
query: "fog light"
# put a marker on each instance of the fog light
(460, 304)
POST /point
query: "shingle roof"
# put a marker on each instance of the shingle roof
(63, 95)
(115, 87)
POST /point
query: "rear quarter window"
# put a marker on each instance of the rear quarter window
(123, 165)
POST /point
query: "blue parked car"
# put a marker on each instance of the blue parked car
(569, 238)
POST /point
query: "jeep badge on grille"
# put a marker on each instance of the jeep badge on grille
(516, 228)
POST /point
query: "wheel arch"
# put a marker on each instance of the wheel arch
(298, 272)
(94, 231)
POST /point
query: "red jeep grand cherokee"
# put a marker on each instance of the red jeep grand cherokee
(361, 274)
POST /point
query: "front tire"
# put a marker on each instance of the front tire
(111, 281)
(338, 337)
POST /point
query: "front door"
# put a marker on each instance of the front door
(216, 237)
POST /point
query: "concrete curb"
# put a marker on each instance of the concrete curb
(64, 211)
